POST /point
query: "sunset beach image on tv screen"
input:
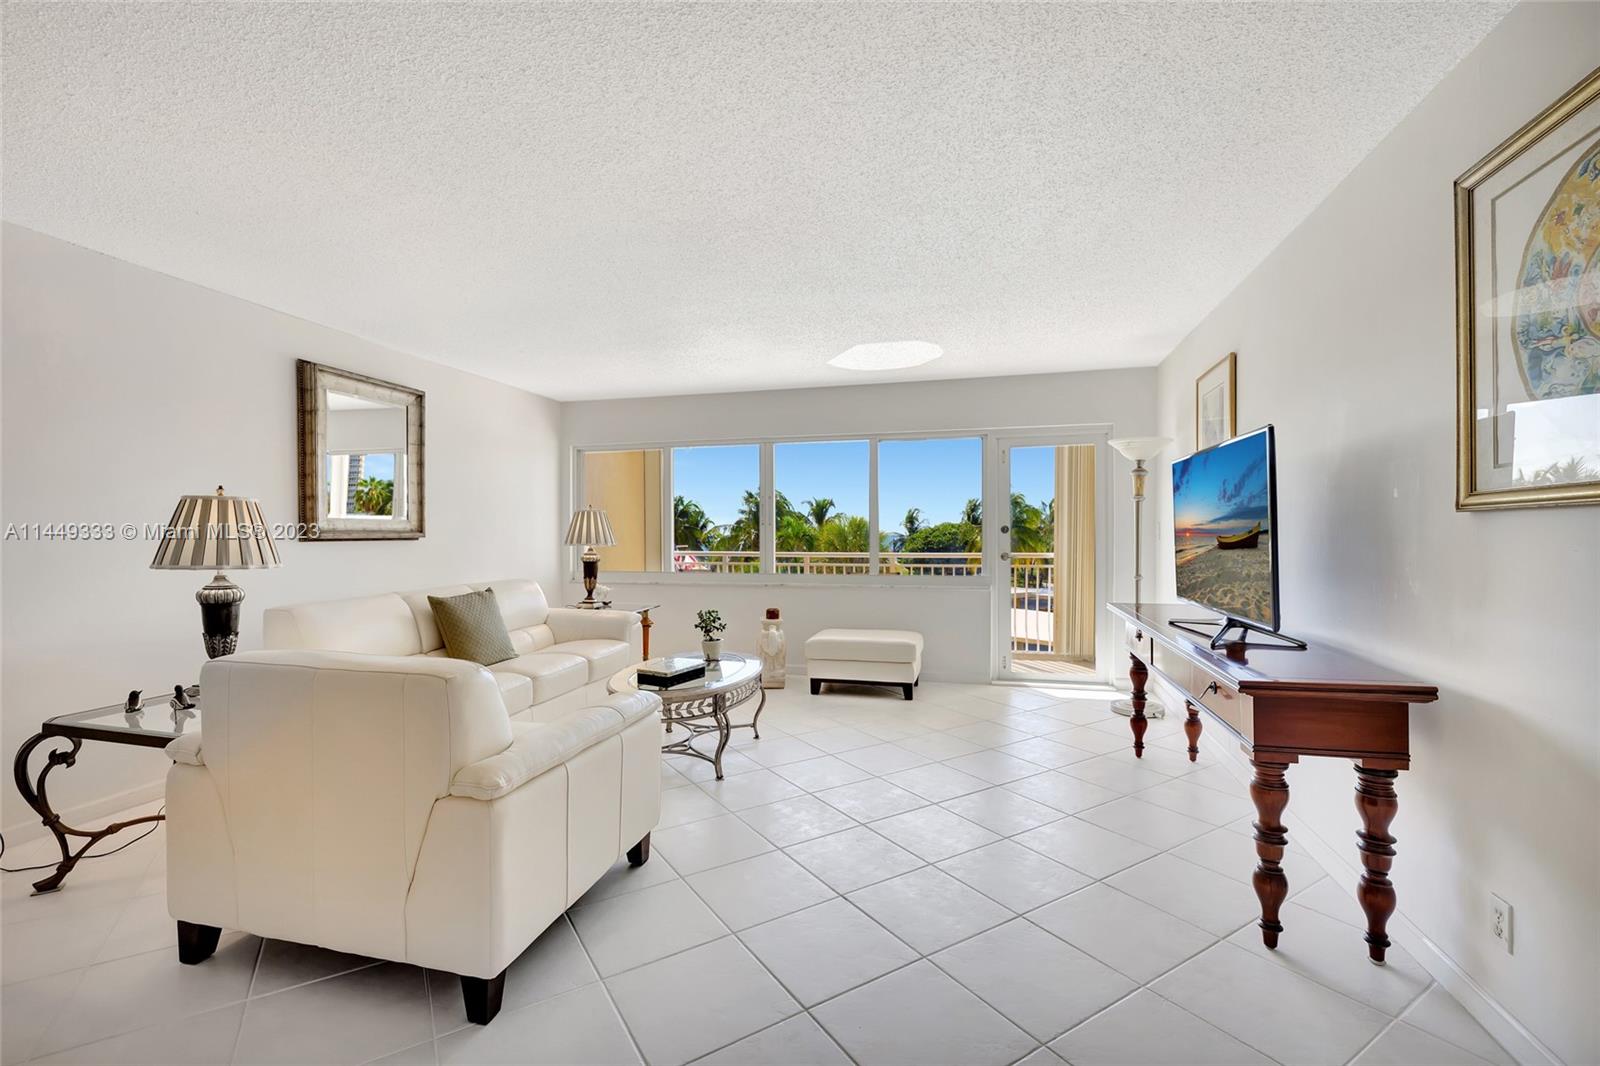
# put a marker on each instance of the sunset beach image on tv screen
(1221, 511)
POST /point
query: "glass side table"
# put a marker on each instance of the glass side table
(641, 609)
(157, 722)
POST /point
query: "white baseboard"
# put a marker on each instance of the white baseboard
(87, 814)
(1515, 1037)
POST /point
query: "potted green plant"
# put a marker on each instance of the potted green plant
(711, 627)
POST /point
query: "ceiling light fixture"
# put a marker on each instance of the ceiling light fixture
(887, 355)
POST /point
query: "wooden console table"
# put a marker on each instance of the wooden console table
(1280, 704)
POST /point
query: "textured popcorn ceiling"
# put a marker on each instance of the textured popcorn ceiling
(603, 200)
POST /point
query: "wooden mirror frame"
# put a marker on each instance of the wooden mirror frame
(313, 381)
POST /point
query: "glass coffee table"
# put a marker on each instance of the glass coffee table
(142, 722)
(701, 706)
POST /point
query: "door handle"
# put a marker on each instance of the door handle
(1005, 555)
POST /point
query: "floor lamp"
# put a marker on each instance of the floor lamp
(1140, 450)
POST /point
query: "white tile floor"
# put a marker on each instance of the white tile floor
(984, 875)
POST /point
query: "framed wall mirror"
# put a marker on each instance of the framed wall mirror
(361, 456)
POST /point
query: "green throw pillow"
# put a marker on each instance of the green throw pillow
(472, 627)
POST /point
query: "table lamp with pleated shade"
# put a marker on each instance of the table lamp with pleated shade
(590, 529)
(217, 533)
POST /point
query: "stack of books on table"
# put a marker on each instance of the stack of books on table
(671, 670)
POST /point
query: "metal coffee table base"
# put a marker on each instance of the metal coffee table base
(709, 714)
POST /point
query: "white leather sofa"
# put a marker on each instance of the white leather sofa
(390, 806)
(564, 655)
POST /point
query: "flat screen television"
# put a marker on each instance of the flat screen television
(1225, 531)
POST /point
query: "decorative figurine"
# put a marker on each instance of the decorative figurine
(774, 651)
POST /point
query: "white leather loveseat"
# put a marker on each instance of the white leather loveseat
(564, 655)
(390, 806)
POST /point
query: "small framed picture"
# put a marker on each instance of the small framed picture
(1214, 395)
(1528, 313)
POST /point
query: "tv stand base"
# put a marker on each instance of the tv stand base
(1227, 623)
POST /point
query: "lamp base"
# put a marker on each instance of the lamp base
(1152, 709)
(591, 573)
(219, 602)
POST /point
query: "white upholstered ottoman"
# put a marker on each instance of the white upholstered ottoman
(865, 657)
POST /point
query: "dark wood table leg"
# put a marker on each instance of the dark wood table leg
(1271, 795)
(1138, 674)
(1191, 729)
(1376, 801)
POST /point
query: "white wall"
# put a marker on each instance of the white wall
(124, 389)
(1345, 341)
(956, 623)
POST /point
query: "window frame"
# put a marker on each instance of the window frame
(400, 505)
(768, 575)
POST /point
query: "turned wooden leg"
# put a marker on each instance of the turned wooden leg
(645, 625)
(1138, 723)
(1191, 729)
(196, 942)
(482, 996)
(1271, 795)
(1376, 801)
(639, 854)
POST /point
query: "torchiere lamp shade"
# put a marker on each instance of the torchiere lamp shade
(217, 533)
(589, 529)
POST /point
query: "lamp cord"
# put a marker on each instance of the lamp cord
(92, 855)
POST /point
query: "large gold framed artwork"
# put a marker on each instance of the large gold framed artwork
(1528, 313)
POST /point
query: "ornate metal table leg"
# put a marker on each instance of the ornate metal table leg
(34, 792)
(1271, 796)
(755, 723)
(1376, 801)
(719, 710)
(1138, 674)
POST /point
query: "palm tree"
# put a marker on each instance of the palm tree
(795, 534)
(744, 534)
(692, 528)
(846, 533)
(1030, 530)
(972, 513)
(818, 510)
(913, 520)
(374, 496)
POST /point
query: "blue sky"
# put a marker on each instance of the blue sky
(937, 475)
(1223, 489)
(379, 465)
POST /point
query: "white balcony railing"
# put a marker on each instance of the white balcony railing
(1033, 595)
(914, 564)
(1033, 579)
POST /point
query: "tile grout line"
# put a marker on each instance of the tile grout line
(255, 968)
(605, 988)
(1393, 1021)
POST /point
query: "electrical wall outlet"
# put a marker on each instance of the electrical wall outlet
(1500, 921)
